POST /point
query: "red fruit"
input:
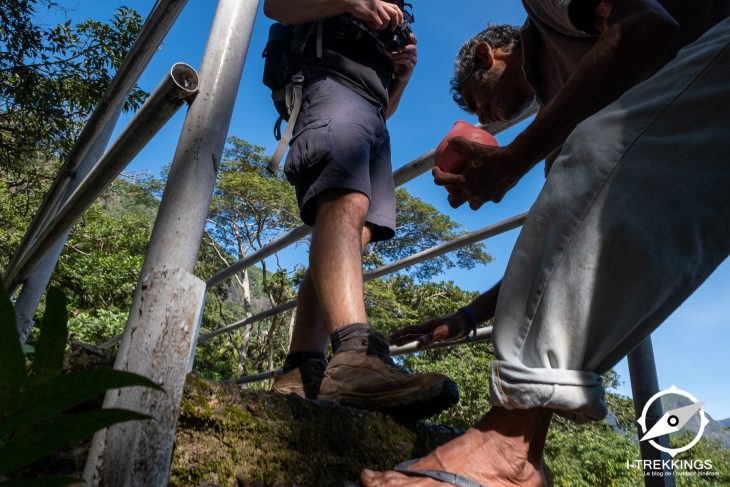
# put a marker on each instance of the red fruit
(448, 159)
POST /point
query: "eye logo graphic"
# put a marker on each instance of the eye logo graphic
(673, 421)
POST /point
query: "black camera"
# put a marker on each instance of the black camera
(400, 37)
(397, 39)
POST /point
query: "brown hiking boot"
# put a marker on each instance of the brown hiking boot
(362, 375)
(303, 381)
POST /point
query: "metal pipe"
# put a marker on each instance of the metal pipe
(483, 334)
(159, 338)
(247, 379)
(266, 251)
(457, 243)
(154, 30)
(37, 282)
(177, 87)
(644, 384)
(252, 319)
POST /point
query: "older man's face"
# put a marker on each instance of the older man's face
(500, 95)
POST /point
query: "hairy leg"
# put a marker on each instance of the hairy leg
(335, 260)
(311, 332)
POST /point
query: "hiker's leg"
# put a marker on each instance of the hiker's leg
(335, 257)
(310, 330)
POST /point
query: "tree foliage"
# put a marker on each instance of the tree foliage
(52, 77)
(421, 226)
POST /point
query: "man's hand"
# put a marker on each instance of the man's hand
(404, 61)
(377, 14)
(489, 173)
(450, 327)
(447, 328)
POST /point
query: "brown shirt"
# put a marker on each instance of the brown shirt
(553, 45)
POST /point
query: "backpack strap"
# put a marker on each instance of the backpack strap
(294, 100)
(294, 104)
(320, 24)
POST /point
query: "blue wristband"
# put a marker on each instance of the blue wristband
(472, 322)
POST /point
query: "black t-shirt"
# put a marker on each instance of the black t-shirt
(350, 55)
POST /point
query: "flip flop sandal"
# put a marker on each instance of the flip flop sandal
(446, 477)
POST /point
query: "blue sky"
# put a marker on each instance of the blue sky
(690, 347)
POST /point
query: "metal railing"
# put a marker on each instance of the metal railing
(87, 150)
(161, 334)
(175, 89)
(455, 244)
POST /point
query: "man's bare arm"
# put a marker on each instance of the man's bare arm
(633, 36)
(450, 327)
(404, 62)
(376, 13)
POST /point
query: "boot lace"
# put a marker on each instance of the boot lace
(379, 347)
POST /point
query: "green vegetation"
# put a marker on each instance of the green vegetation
(225, 432)
(35, 405)
(50, 79)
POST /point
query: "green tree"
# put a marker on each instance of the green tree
(52, 77)
(249, 208)
(706, 450)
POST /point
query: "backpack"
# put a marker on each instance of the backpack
(283, 75)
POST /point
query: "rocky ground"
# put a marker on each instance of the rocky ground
(231, 436)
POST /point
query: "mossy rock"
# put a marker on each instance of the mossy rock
(230, 436)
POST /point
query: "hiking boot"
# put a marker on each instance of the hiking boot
(363, 375)
(302, 381)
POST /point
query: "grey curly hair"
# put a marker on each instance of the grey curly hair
(467, 65)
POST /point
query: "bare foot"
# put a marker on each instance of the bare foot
(503, 450)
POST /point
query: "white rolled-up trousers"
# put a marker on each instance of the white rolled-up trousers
(633, 217)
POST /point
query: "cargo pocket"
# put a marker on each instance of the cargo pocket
(307, 149)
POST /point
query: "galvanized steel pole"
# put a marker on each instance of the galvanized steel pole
(156, 27)
(177, 87)
(161, 331)
(644, 384)
(35, 284)
(87, 150)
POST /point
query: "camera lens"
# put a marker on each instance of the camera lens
(394, 44)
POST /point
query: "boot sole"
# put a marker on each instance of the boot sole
(418, 404)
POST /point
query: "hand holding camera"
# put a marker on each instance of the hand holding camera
(391, 21)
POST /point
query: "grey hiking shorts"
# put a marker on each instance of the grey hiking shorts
(341, 142)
